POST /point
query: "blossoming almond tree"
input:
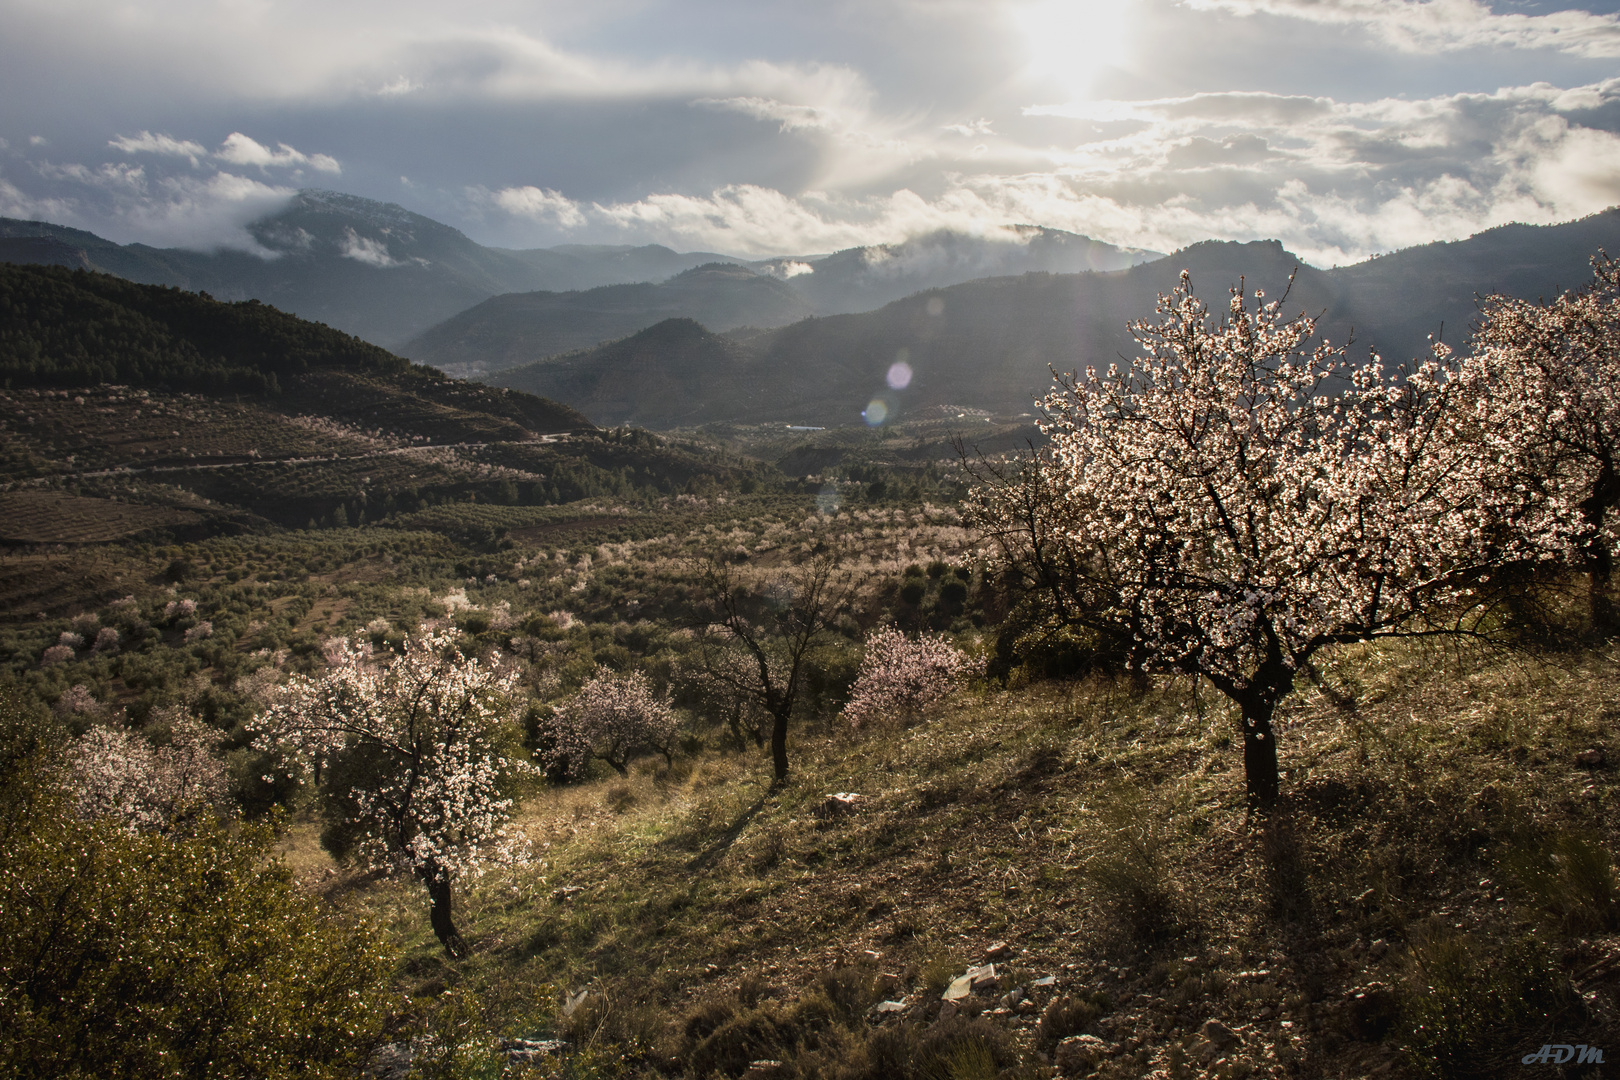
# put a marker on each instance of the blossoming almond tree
(903, 676)
(612, 717)
(1542, 386)
(122, 775)
(412, 745)
(1240, 498)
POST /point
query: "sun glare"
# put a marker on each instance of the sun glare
(1069, 42)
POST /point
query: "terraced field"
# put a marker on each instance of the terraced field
(56, 517)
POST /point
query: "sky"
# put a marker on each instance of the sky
(1343, 128)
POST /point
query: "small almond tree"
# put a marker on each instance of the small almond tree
(722, 679)
(1240, 497)
(612, 717)
(412, 749)
(122, 775)
(773, 624)
(904, 676)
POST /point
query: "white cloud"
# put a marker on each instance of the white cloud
(397, 86)
(1419, 26)
(148, 143)
(366, 250)
(788, 117)
(541, 205)
(15, 203)
(239, 149)
(1335, 181)
(204, 213)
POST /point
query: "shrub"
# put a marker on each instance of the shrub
(902, 676)
(125, 955)
(1571, 882)
(613, 717)
(1467, 1001)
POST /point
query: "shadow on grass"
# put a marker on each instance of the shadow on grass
(711, 855)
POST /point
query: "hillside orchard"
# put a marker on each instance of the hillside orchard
(561, 683)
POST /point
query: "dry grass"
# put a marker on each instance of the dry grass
(1099, 831)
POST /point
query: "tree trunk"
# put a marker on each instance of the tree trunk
(779, 759)
(1599, 563)
(438, 886)
(1600, 574)
(1259, 754)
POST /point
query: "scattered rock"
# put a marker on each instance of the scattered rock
(1044, 981)
(884, 1007)
(1215, 1039)
(947, 1012)
(838, 804)
(530, 1051)
(978, 978)
(1592, 758)
(573, 1001)
(999, 951)
(1079, 1054)
(567, 892)
(391, 1062)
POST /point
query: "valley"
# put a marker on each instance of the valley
(1048, 860)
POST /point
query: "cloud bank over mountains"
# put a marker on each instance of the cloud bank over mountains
(1342, 127)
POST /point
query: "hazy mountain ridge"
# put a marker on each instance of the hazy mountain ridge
(991, 344)
(375, 270)
(517, 328)
(507, 331)
(864, 278)
(387, 274)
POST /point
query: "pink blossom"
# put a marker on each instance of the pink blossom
(903, 676)
(1241, 496)
(612, 717)
(426, 727)
(122, 775)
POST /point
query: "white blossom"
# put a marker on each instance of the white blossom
(902, 676)
(612, 717)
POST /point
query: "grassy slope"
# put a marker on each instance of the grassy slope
(1099, 831)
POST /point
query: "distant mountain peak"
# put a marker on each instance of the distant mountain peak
(714, 271)
(369, 211)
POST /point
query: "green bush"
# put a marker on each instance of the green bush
(1469, 1001)
(126, 955)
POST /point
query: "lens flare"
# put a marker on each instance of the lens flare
(877, 411)
(899, 375)
(828, 501)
